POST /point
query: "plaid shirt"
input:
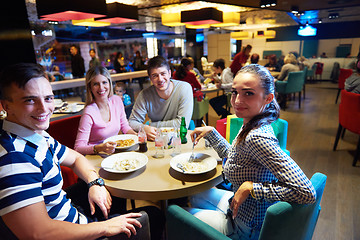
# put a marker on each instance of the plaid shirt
(275, 176)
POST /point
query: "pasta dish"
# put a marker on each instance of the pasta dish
(125, 143)
(125, 164)
(195, 166)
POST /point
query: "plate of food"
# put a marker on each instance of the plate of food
(123, 141)
(124, 162)
(202, 163)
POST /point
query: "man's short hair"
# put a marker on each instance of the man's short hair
(19, 74)
(219, 63)
(157, 62)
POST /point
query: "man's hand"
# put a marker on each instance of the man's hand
(240, 196)
(150, 132)
(122, 224)
(100, 196)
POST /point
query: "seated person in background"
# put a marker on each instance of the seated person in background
(352, 83)
(260, 172)
(225, 82)
(119, 90)
(196, 71)
(55, 71)
(32, 200)
(272, 65)
(165, 102)
(254, 59)
(303, 62)
(104, 115)
(290, 65)
(183, 73)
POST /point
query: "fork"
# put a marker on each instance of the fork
(192, 156)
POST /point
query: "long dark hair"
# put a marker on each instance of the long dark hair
(272, 110)
(182, 70)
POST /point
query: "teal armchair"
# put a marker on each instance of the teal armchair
(200, 109)
(294, 84)
(280, 127)
(282, 221)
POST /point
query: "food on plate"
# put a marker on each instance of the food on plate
(195, 166)
(167, 130)
(125, 164)
(124, 143)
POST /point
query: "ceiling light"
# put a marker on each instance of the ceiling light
(333, 15)
(120, 13)
(64, 10)
(200, 26)
(229, 19)
(89, 23)
(171, 19)
(201, 16)
(265, 34)
(294, 9)
(241, 35)
(267, 3)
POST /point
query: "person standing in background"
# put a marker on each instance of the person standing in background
(138, 63)
(240, 59)
(77, 63)
(119, 63)
(94, 62)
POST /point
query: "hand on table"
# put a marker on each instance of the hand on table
(100, 196)
(122, 224)
(200, 132)
(150, 132)
(240, 196)
(108, 147)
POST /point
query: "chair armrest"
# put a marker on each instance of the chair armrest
(280, 86)
(182, 225)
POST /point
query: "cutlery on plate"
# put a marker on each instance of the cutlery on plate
(181, 167)
(192, 156)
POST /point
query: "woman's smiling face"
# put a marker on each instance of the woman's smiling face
(100, 87)
(248, 97)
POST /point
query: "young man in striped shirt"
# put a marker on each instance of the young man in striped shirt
(32, 203)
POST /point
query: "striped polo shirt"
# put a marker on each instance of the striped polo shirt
(30, 173)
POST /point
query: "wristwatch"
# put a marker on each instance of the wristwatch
(99, 181)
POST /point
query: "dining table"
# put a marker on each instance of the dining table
(157, 180)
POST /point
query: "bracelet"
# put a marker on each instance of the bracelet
(95, 151)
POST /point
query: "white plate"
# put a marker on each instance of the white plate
(108, 163)
(123, 137)
(206, 161)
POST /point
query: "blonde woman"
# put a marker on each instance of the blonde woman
(104, 115)
(290, 65)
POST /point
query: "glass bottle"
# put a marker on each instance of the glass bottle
(183, 131)
(142, 139)
(159, 144)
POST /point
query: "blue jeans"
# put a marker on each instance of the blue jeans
(212, 208)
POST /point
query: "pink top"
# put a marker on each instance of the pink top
(92, 128)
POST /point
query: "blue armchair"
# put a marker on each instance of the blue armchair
(283, 220)
(294, 84)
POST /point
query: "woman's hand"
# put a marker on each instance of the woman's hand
(240, 196)
(100, 196)
(108, 147)
(200, 132)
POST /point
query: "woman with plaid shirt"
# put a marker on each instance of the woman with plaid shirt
(260, 172)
